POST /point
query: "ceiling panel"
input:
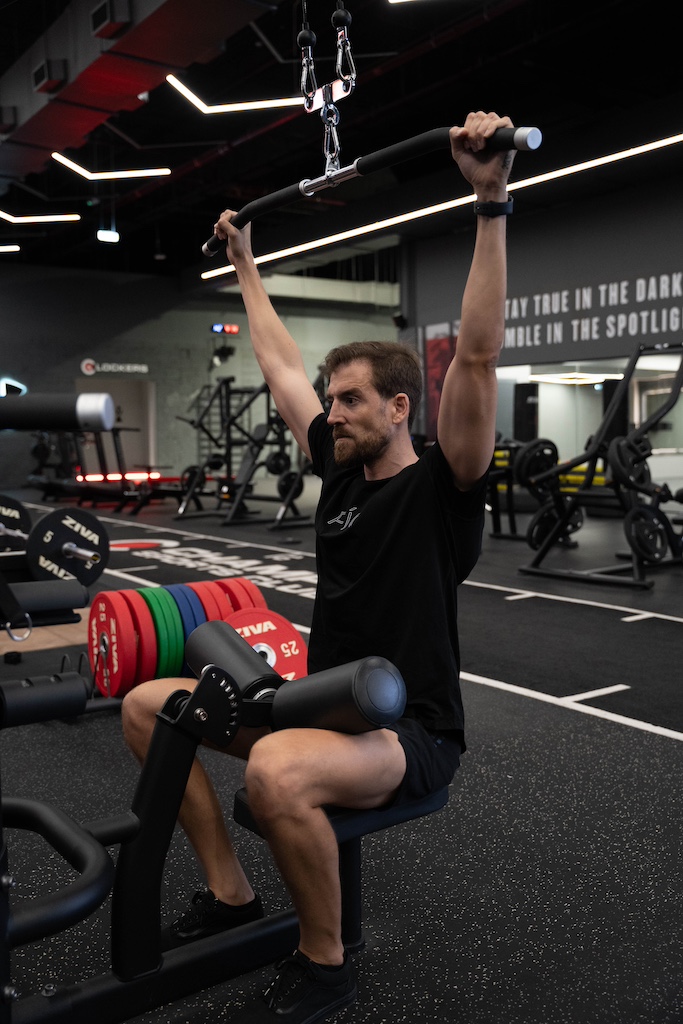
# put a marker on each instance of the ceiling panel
(594, 76)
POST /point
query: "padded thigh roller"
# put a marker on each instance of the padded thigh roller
(57, 412)
(217, 643)
(353, 698)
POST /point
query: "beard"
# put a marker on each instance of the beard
(364, 451)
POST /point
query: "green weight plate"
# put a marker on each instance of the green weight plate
(176, 633)
(162, 631)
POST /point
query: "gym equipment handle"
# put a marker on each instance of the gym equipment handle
(50, 914)
(438, 138)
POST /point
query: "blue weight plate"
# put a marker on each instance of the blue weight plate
(187, 613)
(191, 612)
(197, 606)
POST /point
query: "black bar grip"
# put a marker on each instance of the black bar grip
(438, 138)
(256, 208)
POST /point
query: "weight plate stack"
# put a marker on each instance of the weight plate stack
(138, 635)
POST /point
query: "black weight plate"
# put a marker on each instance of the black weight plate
(287, 481)
(543, 521)
(534, 458)
(47, 550)
(646, 533)
(13, 516)
(628, 462)
(278, 462)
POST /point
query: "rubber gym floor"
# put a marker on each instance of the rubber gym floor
(547, 892)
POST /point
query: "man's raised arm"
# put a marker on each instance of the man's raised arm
(276, 351)
(467, 411)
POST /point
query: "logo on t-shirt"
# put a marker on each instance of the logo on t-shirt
(346, 518)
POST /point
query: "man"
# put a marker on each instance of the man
(395, 536)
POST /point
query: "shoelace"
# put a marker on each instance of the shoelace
(291, 972)
(204, 902)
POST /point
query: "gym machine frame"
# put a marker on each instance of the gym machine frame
(586, 496)
(142, 976)
(239, 486)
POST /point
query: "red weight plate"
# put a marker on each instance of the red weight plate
(111, 626)
(257, 598)
(238, 594)
(224, 602)
(204, 592)
(274, 637)
(146, 637)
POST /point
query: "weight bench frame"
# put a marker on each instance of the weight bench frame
(349, 827)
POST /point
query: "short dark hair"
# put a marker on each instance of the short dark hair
(395, 368)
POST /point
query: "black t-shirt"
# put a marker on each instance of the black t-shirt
(390, 555)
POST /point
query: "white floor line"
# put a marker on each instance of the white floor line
(592, 694)
(585, 709)
(634, 613)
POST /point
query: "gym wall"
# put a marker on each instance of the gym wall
(135, 329)
(587, 280)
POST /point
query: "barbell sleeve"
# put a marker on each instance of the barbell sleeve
(523, 138)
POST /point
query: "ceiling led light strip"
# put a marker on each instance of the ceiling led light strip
(573, 378)
(50, 218)
(10, 248)
(147, 172)
(451, 204)
(232, 108)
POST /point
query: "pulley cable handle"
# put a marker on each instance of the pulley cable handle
(523, 139)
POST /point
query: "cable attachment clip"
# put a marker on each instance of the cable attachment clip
(309, 86)
(344, 66)
(330, 118)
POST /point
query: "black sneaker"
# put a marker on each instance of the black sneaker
(208, 916)
(304, 992)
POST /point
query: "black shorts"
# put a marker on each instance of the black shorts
(432, 759)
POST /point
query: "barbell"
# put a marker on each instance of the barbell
(64, 544)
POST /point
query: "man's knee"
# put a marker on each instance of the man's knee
(273, 777)
(140, 707)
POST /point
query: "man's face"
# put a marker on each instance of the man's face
(359, 416)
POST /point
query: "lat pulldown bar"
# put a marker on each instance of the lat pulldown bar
(438, 138)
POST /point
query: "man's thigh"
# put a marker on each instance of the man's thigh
(325, 767)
